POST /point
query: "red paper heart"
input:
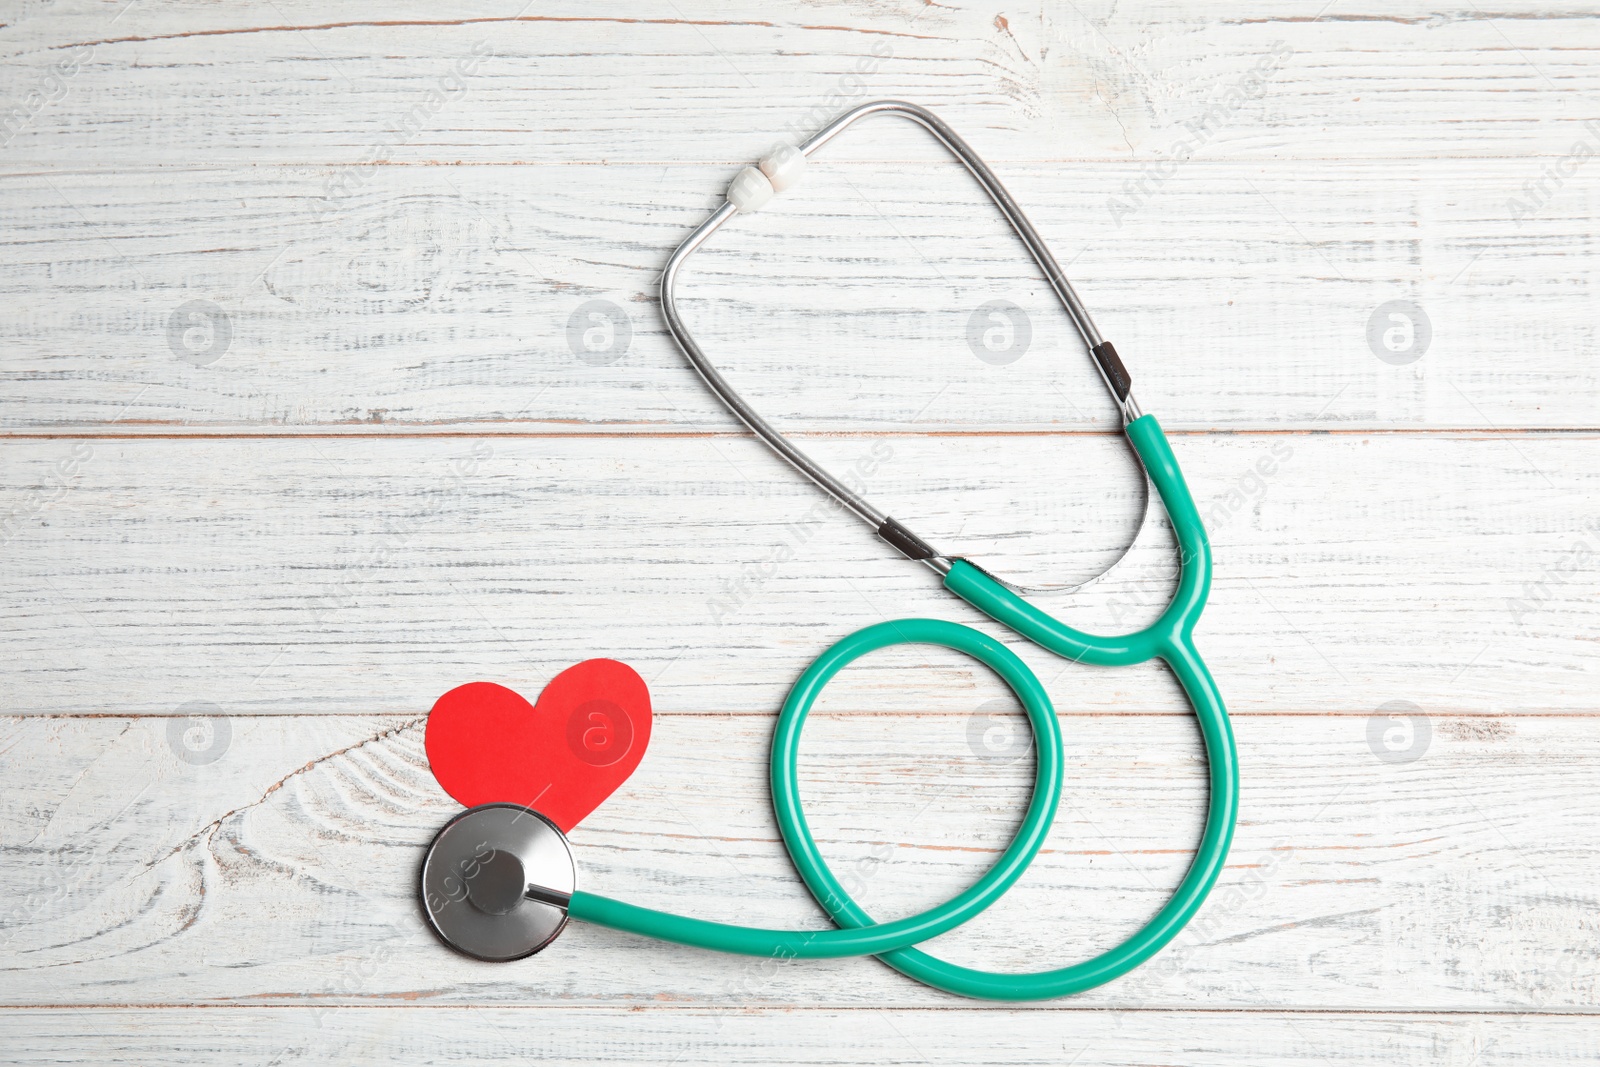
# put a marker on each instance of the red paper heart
(562, 756)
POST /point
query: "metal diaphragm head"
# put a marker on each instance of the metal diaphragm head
(496, 882)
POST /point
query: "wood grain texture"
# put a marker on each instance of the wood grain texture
(299, 430)
(1460, 881)
(318, 575)
(500, 1035)
(619, 81)
(440, 297)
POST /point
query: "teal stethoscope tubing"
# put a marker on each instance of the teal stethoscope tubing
(1170, 638)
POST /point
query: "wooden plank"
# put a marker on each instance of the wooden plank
(236, 572)
(359, 575)
(475, 1036)
(1460, 880)
(448, 298)
(632, 82)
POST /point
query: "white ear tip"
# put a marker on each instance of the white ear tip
(783, 166)
(749, 190)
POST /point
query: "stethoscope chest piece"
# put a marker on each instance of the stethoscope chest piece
(496, 882)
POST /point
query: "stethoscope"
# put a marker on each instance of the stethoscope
(523, 884)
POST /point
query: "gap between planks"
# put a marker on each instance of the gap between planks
(1398, 1014)
(403, 431)
(901, 713)
(45, 170)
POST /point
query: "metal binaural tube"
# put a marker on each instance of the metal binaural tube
(729, 396)
(1105, 360)
(997, 192)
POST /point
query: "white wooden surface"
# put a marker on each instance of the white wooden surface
(398, 476)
